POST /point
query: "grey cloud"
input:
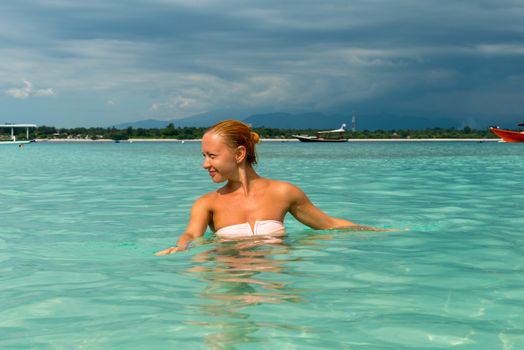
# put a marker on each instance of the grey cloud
(453, 58)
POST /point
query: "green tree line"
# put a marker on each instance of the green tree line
(185, 133)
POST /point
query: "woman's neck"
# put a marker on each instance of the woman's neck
(244, 180)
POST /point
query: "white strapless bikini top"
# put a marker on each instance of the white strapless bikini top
(261, 228)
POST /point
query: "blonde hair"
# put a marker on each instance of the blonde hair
(235, 133)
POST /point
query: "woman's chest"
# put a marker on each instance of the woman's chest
(239, 209)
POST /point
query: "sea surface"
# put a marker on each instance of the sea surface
(80, 222)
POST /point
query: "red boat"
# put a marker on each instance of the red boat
(509, 135)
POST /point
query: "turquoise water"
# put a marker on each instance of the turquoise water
(79, 224)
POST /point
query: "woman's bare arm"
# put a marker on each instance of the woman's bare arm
(198, 222)
(307, 213)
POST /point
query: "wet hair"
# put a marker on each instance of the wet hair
(235, 133)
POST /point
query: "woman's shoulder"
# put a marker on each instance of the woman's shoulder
(284, 187)
(206, 200)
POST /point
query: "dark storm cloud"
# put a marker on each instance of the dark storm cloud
(460, 59)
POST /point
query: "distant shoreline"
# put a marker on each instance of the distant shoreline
(265, 140)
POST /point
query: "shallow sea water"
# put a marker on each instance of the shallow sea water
(79, 224)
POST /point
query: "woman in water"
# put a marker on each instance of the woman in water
(248, 204)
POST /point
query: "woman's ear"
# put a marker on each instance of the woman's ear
(240, 154)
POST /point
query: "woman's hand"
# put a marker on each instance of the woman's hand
(198, 221)
(169, 250)
(357, 227)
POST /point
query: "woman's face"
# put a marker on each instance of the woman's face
(219, 158)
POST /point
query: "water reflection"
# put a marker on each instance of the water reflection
(242, 277)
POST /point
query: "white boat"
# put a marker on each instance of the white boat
(12, 140)
(325, 136)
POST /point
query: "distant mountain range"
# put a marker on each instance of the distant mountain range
(313, 120)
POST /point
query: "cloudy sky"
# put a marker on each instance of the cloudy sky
(100, 62)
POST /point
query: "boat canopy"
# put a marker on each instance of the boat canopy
(341, 129)
(12, 126)
(9, 125)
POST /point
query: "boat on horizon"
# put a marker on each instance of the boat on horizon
(12, 139)
(336, 135)
(508, 135)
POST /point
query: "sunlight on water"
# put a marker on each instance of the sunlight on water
(80, 224)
